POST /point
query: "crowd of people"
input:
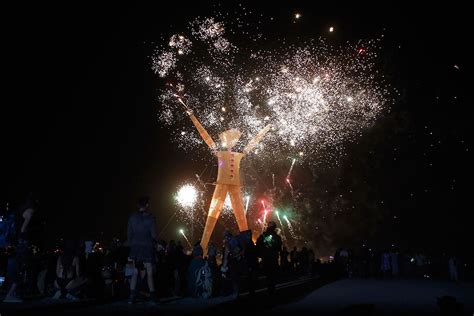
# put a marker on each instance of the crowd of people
(144, 267)
(141, 267)
(389, 263)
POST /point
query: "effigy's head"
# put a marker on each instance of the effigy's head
(229, 138)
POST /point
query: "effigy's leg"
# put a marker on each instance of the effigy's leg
(238, 207)
(215, 208)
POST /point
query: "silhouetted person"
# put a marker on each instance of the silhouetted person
(311, 258)
(269, 246)
(141, 240)
(212, 255)
(420, 262)
(195, 285)
(251, 261)
(28, 232)
(284, 263)
(394, 263)
(304, 260)
(343, 259)
(294, 259)
(212, 262)
(385, 266)
(453, 268)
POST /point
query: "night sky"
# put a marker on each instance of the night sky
(79, 119)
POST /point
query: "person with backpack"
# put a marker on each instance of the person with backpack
(199, 275)
(269, 246)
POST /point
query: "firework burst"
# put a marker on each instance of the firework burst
(317, 96)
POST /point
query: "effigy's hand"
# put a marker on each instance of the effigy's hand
(189, 112)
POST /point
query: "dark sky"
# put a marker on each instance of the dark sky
(79, 128)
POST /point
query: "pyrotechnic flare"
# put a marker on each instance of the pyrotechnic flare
(187, 196)
(291, 187)
(291, 169)
(281, 225)
(247, 200)
(181, 231)
(200, 181)
(290, 227)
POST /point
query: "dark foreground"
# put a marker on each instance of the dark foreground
(297, 297)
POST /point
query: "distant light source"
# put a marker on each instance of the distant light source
(297, 15)
(331, 29)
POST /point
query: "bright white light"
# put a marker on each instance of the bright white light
(187, 196)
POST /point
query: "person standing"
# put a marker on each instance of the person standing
(141, 240)
(284, 263)
(294, 259)
(269, 246)
(385, 266)
(453, 268)
(394, 262)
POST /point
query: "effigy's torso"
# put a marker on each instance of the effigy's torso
(228, 163)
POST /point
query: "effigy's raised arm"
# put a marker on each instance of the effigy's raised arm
(204, 134)
(254, 142)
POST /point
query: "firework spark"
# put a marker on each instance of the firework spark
(186, 196)
(247, 200)
(186, 199)
(281, 225)
(181, 231)
(291, 169)
(290, 227)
